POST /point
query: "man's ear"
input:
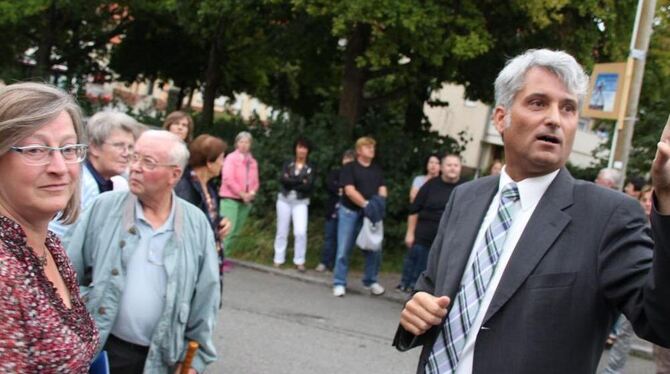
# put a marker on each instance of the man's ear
(176, 173)
(499, 114)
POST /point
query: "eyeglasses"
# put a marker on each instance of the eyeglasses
(41, 154)
(121, 146)
(147, 163)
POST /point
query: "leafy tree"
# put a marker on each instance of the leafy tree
(74, 33)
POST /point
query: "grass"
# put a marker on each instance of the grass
(256, 244)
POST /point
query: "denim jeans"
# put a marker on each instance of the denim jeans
(619, 352)
(414, 264)
(348, 226)
(329, 243)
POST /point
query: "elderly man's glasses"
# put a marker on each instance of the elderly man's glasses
(147, 163)
(42, 154)
(121, 147)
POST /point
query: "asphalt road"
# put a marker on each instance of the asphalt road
(274, 324)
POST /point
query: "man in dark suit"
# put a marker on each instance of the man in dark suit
(529, 268)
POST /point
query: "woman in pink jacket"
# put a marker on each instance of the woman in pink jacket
(239, 184)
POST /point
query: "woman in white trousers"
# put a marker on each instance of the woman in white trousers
(296, 183)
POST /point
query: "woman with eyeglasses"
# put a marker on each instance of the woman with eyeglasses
(111, 139)
(44, 325)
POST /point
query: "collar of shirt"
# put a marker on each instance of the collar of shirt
(167, 226)
(531, 190)
(104, 185)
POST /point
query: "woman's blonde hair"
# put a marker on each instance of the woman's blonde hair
(24, 108)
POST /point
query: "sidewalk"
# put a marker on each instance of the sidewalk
(641, 348)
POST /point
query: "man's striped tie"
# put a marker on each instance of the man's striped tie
(451, 339)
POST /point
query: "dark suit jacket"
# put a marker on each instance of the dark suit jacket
(585, 255)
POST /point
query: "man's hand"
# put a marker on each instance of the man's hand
(409, 240)
(224, 227)
(190, 370)
(660, 172)
(422, 312)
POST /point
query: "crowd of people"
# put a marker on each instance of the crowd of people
(105, 218)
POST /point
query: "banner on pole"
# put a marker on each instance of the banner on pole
(604, 97)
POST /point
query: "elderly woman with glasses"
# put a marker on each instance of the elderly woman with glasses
(44, 325)
(111, 137)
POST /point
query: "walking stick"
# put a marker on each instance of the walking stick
(190, 353)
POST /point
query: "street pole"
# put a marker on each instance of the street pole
(637, 58)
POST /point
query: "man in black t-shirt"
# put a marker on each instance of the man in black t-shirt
(361, 180)
(424, 218)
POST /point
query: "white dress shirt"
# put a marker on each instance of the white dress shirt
(531, 191)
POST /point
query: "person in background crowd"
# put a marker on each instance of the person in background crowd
(424, 218)
(609, 178)
(432, 170)
(147, 266)
(362, 180)
(239, 185)
(496, 167)
(111, 137)
(529, 268)
(296, 184)
(181, 124)
(198, 188)
(634, 186)
(332, 206)
(44, 325)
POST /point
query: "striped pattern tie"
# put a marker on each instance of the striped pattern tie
(450, 342)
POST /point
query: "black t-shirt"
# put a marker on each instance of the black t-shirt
(429, 203)
(366, 180)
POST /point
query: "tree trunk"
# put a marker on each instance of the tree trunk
(414, 111)
(180, 96)
(354, 78)
(45, 44)
(190, 97)
(212, 77)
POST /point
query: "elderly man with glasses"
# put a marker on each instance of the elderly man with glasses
(147, 265)
(111, 138)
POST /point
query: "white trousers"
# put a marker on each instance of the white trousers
(291, 210)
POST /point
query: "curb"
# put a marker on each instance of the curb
(639, 348)
(321, 280)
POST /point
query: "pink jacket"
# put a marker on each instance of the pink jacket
(239, 174)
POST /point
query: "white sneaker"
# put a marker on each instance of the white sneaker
(339, 291)
(375, 289)
(320, 268)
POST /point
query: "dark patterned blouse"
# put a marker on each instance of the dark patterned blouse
(38, 333)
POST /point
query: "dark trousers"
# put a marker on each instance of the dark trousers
(329, 243)
(125, 357)
(414, 264)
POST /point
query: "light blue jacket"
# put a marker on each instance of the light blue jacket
(100, 246)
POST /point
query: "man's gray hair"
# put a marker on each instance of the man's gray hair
(512, 78)
(612, 175)
(177, 151)
(101, 125)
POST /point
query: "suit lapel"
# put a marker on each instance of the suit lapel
(543, 229)
(467, 223)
